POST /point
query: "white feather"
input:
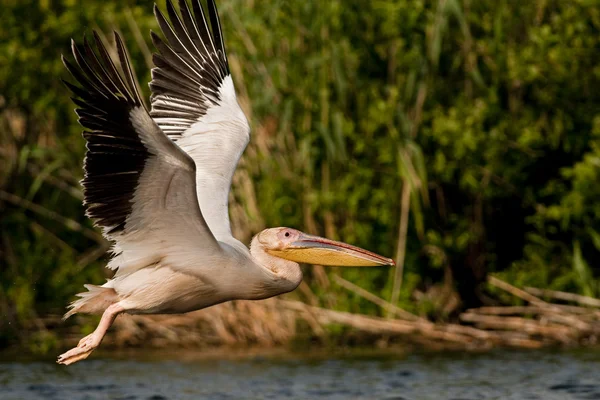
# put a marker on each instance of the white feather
(215, 143)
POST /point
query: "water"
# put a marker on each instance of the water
(498, 375)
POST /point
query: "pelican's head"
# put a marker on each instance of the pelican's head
(293, 245)
(279, 250)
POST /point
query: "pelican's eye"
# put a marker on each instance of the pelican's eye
(287, 235)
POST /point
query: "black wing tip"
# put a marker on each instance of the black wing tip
(170, 6)
(73, 46)
(104, 103)
(191, 67)
(69, 66)
(97, 37)
(73, 89)
(215, 21)
(117, 37)
(159, 14)
(68, 84)
(211, 4)
(211, 24)
(155, 38)
(101, 77)
(119, 42)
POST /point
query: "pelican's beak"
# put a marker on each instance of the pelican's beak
(317, 250)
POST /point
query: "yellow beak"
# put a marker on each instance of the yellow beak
(317, 250)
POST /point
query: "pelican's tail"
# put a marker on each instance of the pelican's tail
(94, 301)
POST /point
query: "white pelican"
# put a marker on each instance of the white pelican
(157, 182)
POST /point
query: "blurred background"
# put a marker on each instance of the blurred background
(460, 137)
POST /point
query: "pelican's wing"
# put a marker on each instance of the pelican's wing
(194, 102)
(139, 186)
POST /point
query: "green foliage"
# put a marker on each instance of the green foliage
(488, 110)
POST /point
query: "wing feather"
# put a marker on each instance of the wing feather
(194, 103)
(139, 186)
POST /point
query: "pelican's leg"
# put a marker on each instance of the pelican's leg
(91, 341)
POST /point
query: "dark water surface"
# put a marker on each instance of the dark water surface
(497, 375)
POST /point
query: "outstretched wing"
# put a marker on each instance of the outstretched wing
(138, 186)
(194, 102)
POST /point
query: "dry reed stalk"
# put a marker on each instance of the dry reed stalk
(568, 320)
(523, 343)
(557, 295)
(552, 311)
(392, 309)
(559, 333)
(515, 310)
(578, 310)
(516, 291)
(378, 325)
(451, 328)
(578, 315)
(466, 330)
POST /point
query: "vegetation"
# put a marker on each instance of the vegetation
(461, 136)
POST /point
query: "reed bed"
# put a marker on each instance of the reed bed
(421, 139)
(547, 318)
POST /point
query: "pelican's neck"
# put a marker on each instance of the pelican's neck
(283, 275)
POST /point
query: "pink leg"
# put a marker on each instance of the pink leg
(91, 341)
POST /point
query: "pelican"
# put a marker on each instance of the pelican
(157, 182)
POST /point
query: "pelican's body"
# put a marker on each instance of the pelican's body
(239, 275)
(157, 182)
